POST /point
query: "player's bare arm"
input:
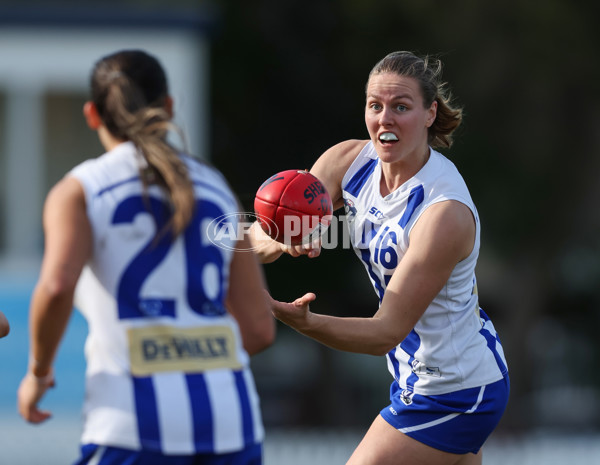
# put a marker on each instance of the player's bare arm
(247, 302)
(442, 237)
(67, 247)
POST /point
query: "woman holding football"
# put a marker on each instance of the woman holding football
(415, 227)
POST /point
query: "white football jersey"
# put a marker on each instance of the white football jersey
(454, 345)
(166, 370)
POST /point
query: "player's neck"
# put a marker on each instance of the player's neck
(107, 140)
(393, 175)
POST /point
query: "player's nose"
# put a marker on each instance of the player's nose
(385, 116)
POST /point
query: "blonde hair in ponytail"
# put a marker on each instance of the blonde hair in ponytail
(129, 89)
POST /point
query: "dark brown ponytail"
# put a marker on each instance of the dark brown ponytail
(129, 89)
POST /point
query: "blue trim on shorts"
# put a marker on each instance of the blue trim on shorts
(107, 455)
(458, 422)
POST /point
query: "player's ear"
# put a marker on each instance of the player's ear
(431, 114)
(92, 118)
(169, 105)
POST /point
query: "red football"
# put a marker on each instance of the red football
(293, 207)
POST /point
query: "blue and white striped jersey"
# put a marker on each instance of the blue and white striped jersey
(166, 370)
(452, 346)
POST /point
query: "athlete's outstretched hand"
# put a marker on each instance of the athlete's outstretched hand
(30, 392)
(295, 314)
(311, 249)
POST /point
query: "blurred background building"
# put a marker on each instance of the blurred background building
(264, 85)
(47, 54)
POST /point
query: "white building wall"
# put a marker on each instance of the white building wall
(36, 61)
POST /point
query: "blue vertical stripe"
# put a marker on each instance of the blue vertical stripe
(415, 198)
(247, 422)
(146, 412)
(359, 179)
(369, 232)
(410, 345)
(491, 343)
(392, 357)
(202, 416)
(365, 255)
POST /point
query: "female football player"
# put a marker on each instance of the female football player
(173, 315)
(415, 228)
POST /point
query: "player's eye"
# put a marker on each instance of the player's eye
(375, 106)
(401, 107)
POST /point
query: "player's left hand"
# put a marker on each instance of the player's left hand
(31, 391)
(310, 249)
(294, 314)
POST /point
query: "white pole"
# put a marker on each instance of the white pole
(24, 169)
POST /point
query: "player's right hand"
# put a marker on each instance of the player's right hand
(268, 250)
(295, 314)
(30, 392)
